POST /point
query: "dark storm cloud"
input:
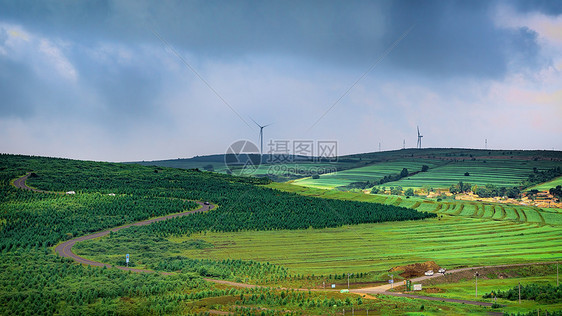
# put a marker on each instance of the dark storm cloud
(97, 66)
(127, 92)
(450, 38)
(456, 39)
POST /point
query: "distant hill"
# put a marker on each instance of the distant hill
(447, 166)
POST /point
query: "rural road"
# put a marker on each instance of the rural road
(20, 183)
(65, 250)
(384, 289)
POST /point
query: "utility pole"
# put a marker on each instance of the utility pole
(476, 292)
(348, 280)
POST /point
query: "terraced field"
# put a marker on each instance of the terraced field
(466, 233)
(479, 210)
(499, 172)
(507, 173)
(450, 241)
(368, 173)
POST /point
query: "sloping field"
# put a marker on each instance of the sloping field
(368, 173)
(499, 172)
(449, 241)
(494, 211)
(507, 173)
(547, 185)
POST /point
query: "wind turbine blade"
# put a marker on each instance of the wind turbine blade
(255, 122)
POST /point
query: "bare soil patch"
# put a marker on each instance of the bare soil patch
(416, 269)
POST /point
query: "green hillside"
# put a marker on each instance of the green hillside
(446, 167)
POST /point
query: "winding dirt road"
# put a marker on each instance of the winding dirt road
(65, 250)
(20, 183)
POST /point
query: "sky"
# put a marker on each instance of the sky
(147, 80)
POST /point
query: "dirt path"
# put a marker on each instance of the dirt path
(384, 289)
(65, 249)
(20, 184)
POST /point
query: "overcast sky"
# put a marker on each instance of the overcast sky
(145, 80)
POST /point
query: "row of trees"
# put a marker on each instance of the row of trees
(387, 178)
(489, 190)
(34, 219)
(36, 282)
(542, 293)
(543, 176)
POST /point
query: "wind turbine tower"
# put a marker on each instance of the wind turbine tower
(419, 146)
(261, 134)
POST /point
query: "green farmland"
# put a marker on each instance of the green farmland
(449, 241)
(547, 185)
(499, 172)
(368, 173)
(442, 174)
(257, 234)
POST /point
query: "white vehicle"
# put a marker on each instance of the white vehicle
(430, 272)
(442, 270)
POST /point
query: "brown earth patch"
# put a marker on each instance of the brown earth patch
(416, 269)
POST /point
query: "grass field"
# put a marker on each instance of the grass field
(368, 173)
(449, 241)
(547, 185)
(494, 211)
(499, 172)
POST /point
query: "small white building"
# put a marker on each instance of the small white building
(70, 192)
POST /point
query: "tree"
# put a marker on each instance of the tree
(466, 174)
(513, 192)
(425, 168)
(404, 173)
(396, 190)
(409, 192)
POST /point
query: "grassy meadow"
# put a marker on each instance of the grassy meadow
(446, 167)
(367, 173)
(450, 241)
